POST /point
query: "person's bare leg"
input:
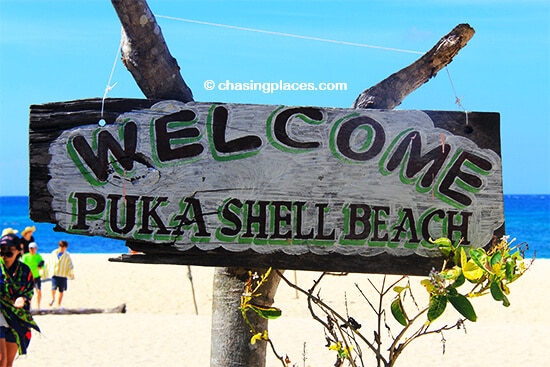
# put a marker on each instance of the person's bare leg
(38, 297)
(53, 297)
(59, 299)
(11, 352)
(3, 353)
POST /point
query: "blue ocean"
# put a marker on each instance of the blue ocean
(527, 219)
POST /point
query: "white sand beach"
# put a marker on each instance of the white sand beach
(160, 327)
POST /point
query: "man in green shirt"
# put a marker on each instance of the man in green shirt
(34, 261)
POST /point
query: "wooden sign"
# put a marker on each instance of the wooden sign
(261, 185)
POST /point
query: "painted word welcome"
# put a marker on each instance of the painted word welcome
(278, 179)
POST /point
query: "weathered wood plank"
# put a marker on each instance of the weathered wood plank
(298, 184)
(383, 263)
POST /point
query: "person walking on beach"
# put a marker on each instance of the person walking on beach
(60, 268)
(16, 292)
(27, 238)
(36, 263)
(3, 322)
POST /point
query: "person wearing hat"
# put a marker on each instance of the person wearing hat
(6, 231)
(27, 238)
(36, 263)
(15, 296)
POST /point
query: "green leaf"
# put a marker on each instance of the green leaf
(496, 291)
(498, 294)
(429, 286)
(496, 258)
(442, 241)
(505, 301)
(445, 245)
(452, 273)
(399, 289)
(451, 290)
(463, 257)
(437, 307)
(472, 271)
(398, 311)
(510, 269)
(479, 256)
(459, 280)
(456, 258)
(476, 254)
(266, 312)
(463, 306)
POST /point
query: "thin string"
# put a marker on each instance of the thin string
(288, 34)
(457, 100)
(109, 87)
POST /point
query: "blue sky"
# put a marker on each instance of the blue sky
(53, 51)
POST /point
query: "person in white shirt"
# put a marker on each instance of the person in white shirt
(60, 268)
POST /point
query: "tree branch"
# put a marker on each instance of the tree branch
(145, 54)
(390, 92)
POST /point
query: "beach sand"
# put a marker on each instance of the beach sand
(160, 327)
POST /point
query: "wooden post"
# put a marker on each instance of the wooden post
(230, 344)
